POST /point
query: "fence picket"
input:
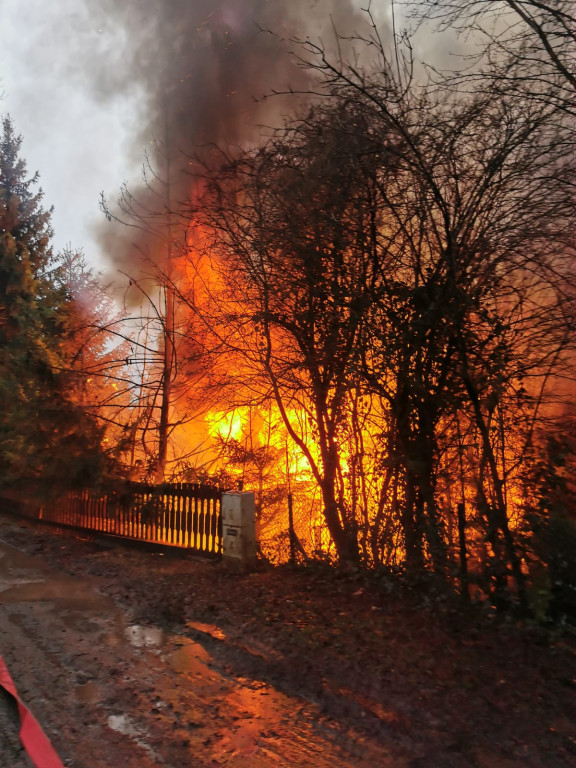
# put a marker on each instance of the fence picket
(184, 515)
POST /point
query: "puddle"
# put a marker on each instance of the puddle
(24, 578)
(11, 557)
(207, 629)
(260, 700)
(241, 722)
(65, 589)
(191, 658)
(17, 568)
(141, 636)
(262, 712)
(123, 724)
(127, 727)
(6, 584)
(89, 693)
(269, 728)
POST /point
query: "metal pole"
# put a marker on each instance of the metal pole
(290, 512)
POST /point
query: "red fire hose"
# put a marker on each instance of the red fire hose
(33, 738)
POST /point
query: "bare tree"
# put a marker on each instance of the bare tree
(295, 239)
(406, 246)
(526, 46)
(159, 244)
(481, 201)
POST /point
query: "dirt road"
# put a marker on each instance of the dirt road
(109, 692)
(131, 658)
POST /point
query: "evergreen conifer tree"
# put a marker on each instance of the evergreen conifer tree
(43, 434)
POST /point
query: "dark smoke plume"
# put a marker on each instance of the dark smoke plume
(204, 68)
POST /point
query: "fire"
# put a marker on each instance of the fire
(232, 422)
(254, 448)
(227, 426)
(241, 432)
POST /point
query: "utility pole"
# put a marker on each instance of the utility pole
(168, 342)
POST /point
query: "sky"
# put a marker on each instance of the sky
(86, 83)
(79, 144)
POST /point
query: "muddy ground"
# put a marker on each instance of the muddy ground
(137, 659)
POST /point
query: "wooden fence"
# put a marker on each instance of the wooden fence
(184, 515)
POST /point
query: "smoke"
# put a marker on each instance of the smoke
(203, 69)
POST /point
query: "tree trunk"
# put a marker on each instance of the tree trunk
(501, 517)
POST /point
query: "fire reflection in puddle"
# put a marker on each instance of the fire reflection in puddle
(262, 714)
(229, 720)
(190, 658)
(241, 722)
(207, 629)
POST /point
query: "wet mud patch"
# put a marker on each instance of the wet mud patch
(232, 720)
(110, 691)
